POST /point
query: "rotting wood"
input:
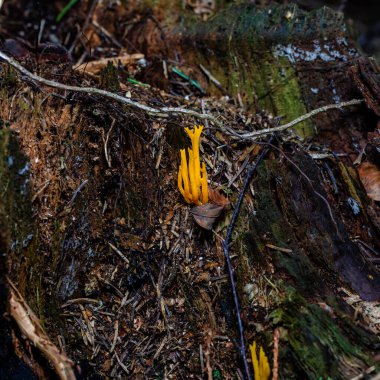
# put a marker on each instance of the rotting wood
(280, 210)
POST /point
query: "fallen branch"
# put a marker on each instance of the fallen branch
(30, 327)
(160, 112)
(226, 242)
(299, 119)
(164, 111)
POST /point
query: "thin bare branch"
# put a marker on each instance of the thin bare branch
(30, 326)
(164, 111)
(299, 119)
(276, 340)
(160, 112)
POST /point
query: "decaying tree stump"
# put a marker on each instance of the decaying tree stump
(104, 250)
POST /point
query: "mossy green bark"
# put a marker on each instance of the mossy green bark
(319, 338)
(240, 47)
(318, 344)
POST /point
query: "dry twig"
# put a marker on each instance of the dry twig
(276, 340)
(299, 119)
(160, 112)
(164, 111)
(227, 255)
(32, 329)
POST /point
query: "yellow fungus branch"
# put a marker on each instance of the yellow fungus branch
(261, 366)
(192, 178)
(204, 184)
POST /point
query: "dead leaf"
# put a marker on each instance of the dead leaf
(216, 197)
(137, 323)
(207, 214)
(107, 364)
(169, 217)
(203, 277)
(252, 150)
(211, 265)
(370, 176)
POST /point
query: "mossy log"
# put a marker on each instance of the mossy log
(281, 59)
(101, 245)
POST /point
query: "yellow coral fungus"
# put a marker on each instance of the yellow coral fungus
(192, 178)
(260, 365)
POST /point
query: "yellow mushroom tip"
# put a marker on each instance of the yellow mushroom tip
(192, 178)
